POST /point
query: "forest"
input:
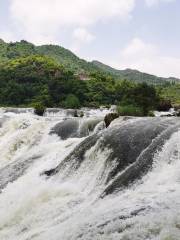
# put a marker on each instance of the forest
(40, 81)
(50, 76)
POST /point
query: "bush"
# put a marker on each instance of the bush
(145, 97)
(151, 114)
(176, 107)
(75, 113)
(71, 102)
(178, 114)
(130, 110)
(39, 108)
(164, 105)
(81, 114)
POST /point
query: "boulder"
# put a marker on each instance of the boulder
(109, 118)
(176, 107)
(164, 106)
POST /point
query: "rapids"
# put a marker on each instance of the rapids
(73, 179)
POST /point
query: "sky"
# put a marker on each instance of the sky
(136, 34)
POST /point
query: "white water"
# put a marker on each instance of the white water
(59, 208)
(171, 112)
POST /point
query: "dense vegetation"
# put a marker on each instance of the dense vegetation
(134, 75)
(171, 92)
(51, 76)
(28, 80)
(73, 63)
(39, 80)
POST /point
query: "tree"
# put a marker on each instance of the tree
(144, 96)
(71, 102)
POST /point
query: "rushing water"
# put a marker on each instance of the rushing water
(76, 180)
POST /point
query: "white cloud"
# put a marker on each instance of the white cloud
(82, 35)
(146, 57)
(7, 36)
(140, 48)
(46, 17)
(45, 21)
(151, 3)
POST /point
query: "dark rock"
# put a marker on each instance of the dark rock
(109, 118)
(134, 144)
(178, 113)
(75, 128)
(164, 106)
(131, 147)
(75, 113)
(39, 108)
(176, 107)
(81, 114)
(66, 129)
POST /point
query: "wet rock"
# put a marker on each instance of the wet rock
(178, 113)
(109, 118)
(75, 128)
(74, 159)
(177, 110)
(66, 129)
(176, 107)
(131, 147)
(164, 106)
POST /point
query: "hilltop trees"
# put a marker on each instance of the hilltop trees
(71, 101)
(27, 80)
(145, 96)
(39, 81)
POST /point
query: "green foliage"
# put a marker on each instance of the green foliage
(71, 102)
(140, 95)
(37, 79)
(29, 78)
(100, 89)
(151, 114)
(15, 50)
(130, 110)
(39, 108)
(170, 92)
(66, 58)
(133, 75)
(73, 63)
(145, 97)
(81, 114)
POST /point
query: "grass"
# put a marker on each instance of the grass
(130, 110)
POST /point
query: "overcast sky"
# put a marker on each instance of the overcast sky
(138, 34)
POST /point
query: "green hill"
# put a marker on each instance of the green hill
(134, 75)
(18, 49)
(37, 79)
(51, 76)
(81, 67)
(61, 55)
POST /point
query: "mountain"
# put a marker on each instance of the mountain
(74, 63)
(62, 56)
(133, 75)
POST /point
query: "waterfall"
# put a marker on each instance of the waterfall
(74, 179)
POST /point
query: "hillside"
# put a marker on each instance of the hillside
(51, 76)
(37, 79)
(65, 57)
(61, 55)
(41, 82)
(134, 75)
